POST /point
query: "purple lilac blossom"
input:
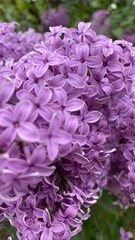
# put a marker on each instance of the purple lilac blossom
(13, 45)
(55, 17)
(125, 235)
(101, 22)
(66, 131)
(129, 37)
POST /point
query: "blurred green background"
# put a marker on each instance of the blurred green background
(28, 13)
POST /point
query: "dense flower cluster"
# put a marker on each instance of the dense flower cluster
(66, 117)
(13, 45)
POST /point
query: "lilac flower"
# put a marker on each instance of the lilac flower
(43, 59)
(67, 76)
(40, 103)
(35, 163)
(16, 124)
(53, 136)
(101, 22)
(83, 60)
(31, 81)
(56, 18)
(71, 105)
(87, 118)
(51, 228)
(125, 235)
(30, 228)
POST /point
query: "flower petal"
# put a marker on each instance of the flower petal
(28, 132)
(38, 155)
(46, 234)
(57, 227)
(93, 116)
(57, 81)
(93, 62)
(6, 119)
(52, 149)
(44, 96)
(6, 91)
(40, 70)
(75, 80)
(74, 105)
(62, 137)
(25, 95)
(22, 111)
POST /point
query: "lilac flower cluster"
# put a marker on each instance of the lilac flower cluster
(13, 45)
(66, 117)
(101, 22)
(55, 17)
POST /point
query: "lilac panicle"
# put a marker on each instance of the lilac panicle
(66, 128)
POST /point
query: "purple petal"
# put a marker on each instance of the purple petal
(81, 139)
(6, 119)
(8, 136)
(108, 88)
(46, 113)
(71, 124)
(74, 60)
(83, 27)
(71, 211)
(45, 170)
(93, 116)
(75, 80)
(38, 155)
(93, 62)
(118, 85)
(46, 234)
(54, 124)
(6, 91)
(40, 70)
(82, 50)
(62, 137)
(61, 96)
(80, 159)
(52, 149)
(22, 111)
(17, 165)
(44, 96)
(92, 90)
(74, 105)
(107, 51)
(57, 81)
(57, 227)
(84, 128)
(56, 60)
(28, 132)
(37, 59)
(29, 85)
(115, 66)
(25, 95)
